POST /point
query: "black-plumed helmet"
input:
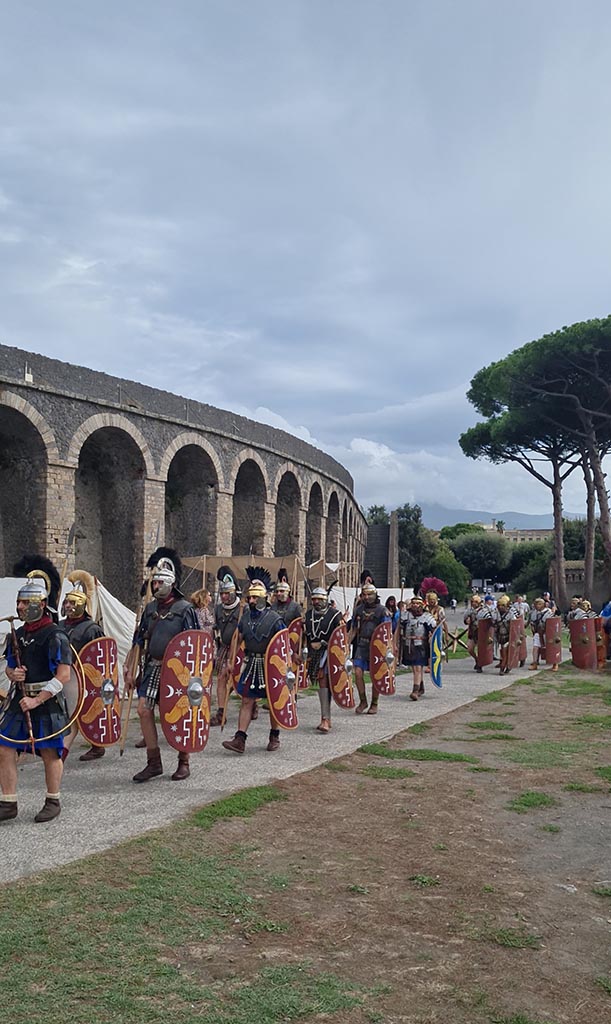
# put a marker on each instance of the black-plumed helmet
(173, 557)
(366, 576)
(38, 565)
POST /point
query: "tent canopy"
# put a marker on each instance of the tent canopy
(316, 573)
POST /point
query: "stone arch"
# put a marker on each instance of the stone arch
(249, 455)
(19, 404)
(288, 503)
(191, 500)
(23, 494)
(109, 491)
(248, 521)
(314, 517)
(190, 437)
(333, 529)
(111, 419)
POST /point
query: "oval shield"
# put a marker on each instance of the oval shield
(235, 670)
(436, 655)
(583, 643)
(277, 662)
(298, 664)
(485, 643)
(99, 720)
(382, 663)
(184, 691)
(553, 640)
(340, 677)
(517, 639)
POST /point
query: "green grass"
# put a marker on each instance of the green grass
(336, 766)
(359, 890)
(576, 687)
(600, 721)
(493, 696)
(582, 787)
(488, 725)
(602, 890)
(544, 753)
(482, 768)
(506, 736)
(375, 771)
(531, 799)
(605, 983)
(439, 846)
(497, 714)
(551, 828)
(382, 750)
(604, 772)
(419, 729)
(424, 881)
(514, 938)
(238, 805)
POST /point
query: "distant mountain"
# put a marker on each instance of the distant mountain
(436, 516)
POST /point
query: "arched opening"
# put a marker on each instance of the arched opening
(344, 542)
(110, 511)
(23, 493)
(332, 535)
(314, 525)
(248, 527)
(288, 502)
(191, 492)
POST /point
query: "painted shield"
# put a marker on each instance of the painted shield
(340, 668)
(583, 643)
(280, 696)
(184, 691)
(73, 693)
(298, 666)
(100, 717)
(485, 643)
(437, 655)
(382, 662)
(601, 643)
(235, 670)
(523, 645)
(517, 638)
(553, 640)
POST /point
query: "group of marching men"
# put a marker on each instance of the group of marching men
(259, 648)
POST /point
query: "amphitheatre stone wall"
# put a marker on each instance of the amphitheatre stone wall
(132, 467)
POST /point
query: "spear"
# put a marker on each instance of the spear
(21, 683)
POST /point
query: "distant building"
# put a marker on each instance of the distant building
(515, 536)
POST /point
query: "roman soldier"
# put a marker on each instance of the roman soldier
(226, 617)
(257, 627)
(538, 617)
(574, 608)
(417, 624)
(167, 615)
(502, 617)
(585, 610)
(320, 621)
(476, 614)
(38, 667)
(284, 604)
(369, 612)
(81, 629)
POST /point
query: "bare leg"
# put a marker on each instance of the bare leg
(245, 716)
(54, 769)
(147, 724)
(359, 682)
(8, 771)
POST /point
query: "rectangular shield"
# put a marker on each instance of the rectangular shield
(516, 639)
(553, 640)
(601, 643)
(485, 643)
(583, 643)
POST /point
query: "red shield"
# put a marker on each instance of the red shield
(297, 664)
(553, 640)
(340, 681)
(184, 691)
(382, 663)
(601, 643)
(235, 665)
(485, 643)
(516, 639)
(277, 662)
(99, 719)
(583, 643)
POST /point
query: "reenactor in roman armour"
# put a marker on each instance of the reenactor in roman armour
(257, 627)
(167, 615)
(320, 621)
(573, 610)
(417, 624)
(369, 612)
(284, 604)
(538, 617)
(477, 613)
(226, 617)
(502, 617)
(81, 629)
(34, 716)
(584, 610)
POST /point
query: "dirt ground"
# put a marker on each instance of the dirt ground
(427, 890)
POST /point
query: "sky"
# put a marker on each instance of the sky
(326, 215)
